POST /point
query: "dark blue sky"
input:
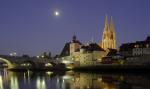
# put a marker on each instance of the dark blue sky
(30, 27)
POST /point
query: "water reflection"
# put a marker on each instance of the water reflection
(89, 81)
(71, 80)
(1, 82)
(14, 82)
(40, 83)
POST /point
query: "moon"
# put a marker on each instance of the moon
(56, 13)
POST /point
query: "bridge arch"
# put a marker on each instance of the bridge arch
(10, 65)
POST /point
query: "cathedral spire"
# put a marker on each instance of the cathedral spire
(112, 28)
(112, 34)
(109, 35)
(106, 23)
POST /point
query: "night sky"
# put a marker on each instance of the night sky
(30, 26)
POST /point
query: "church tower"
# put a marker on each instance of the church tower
(112, 34)
(109, 35)
(74, 45)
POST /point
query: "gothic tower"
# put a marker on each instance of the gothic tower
(112, 34)
(74, 45)
(109, 35)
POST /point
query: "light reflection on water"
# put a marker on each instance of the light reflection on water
(14, 82)
(40, 83)
(71, 80)
(1, 82)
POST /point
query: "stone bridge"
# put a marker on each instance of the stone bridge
(16, 61)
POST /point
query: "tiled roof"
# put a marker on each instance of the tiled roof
(92, 47)
(148, 39)
(130, 46)
(127, 46)
(66, 50)
(112, 52)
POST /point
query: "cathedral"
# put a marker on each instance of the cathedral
(75, 53)
(109, 35)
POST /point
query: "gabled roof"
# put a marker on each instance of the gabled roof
(130, 46)
(66, 50)
(148, 39)
(112, 52)
(76, 41)
(92, 47)
(127, 46)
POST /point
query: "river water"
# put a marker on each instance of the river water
(72, 80)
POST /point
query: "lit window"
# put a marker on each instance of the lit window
(147, 45)
(135, 46)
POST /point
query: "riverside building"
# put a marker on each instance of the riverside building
(76, 54)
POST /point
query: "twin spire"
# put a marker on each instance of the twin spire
(109, 26)
(109, 35)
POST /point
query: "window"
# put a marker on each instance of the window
(147, 45)
(135, 46)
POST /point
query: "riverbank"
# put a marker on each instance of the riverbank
(115, 68)
(38, 69)
(97, 68)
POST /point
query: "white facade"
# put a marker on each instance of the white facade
(84, 58)
(141, 51)
(93, 58)
(74, 47)
(137, 51)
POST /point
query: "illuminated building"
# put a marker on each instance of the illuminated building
(109, 35)
(136, 49)
(78, 54)
(75, 45)
(142, 47)
(137, 53)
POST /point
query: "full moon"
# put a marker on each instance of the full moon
(56, 13)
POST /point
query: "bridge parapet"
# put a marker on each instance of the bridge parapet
(13, 61)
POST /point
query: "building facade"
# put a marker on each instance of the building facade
(78, 54)
(75, 45)
(137, 53)
(141, 47)
(138, 48)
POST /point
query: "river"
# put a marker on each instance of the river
(72, 80)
